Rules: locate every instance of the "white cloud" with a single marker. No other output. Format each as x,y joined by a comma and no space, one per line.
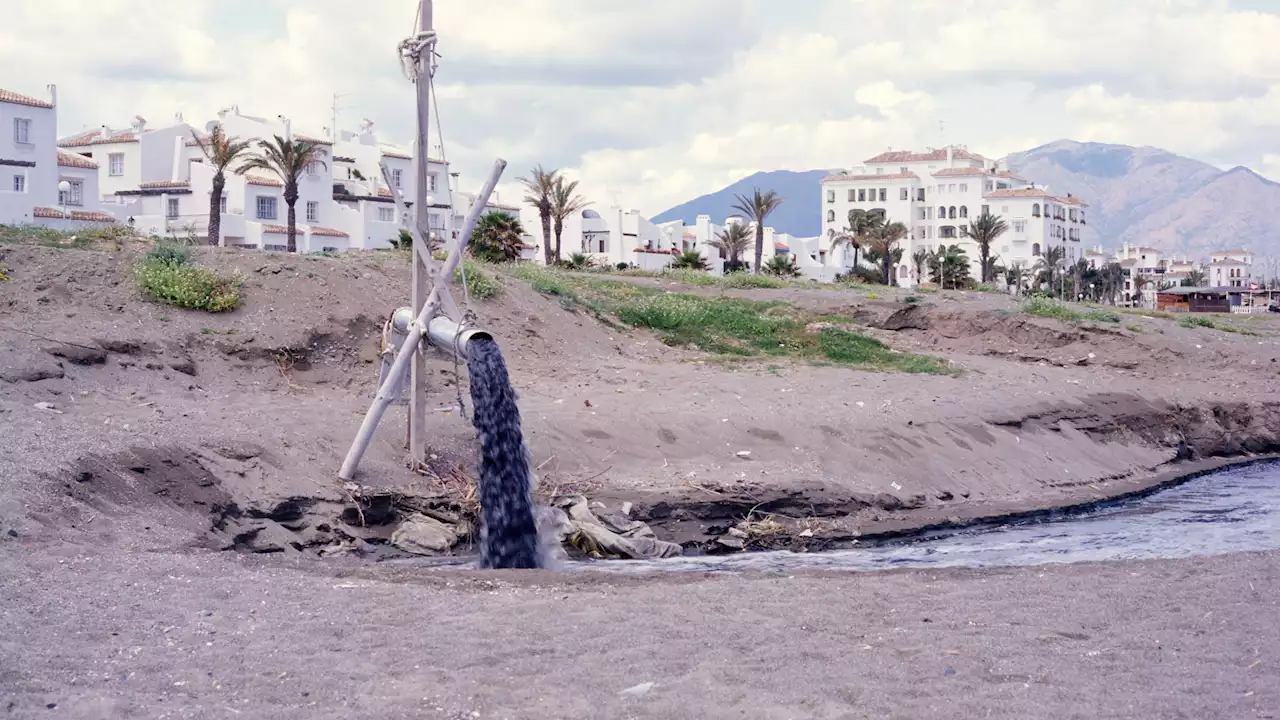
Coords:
662,100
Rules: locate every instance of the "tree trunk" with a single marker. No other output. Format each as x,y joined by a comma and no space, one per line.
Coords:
559,232
887,264
984,259
214,235
759,245
291,199
545,216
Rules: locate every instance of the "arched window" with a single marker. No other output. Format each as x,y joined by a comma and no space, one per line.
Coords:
904,271
952,213
1035,250
1035,210
942,213
831,216
964,211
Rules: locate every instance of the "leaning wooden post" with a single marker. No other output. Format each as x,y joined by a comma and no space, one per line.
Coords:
421,269
410,349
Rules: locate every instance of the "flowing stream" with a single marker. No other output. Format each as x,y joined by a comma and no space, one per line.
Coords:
1234,510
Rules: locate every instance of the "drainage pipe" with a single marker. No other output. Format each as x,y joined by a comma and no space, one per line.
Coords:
449,336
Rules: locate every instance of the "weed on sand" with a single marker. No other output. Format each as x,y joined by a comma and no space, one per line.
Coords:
731,327
1049,308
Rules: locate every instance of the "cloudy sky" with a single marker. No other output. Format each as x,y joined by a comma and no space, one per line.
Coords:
651,103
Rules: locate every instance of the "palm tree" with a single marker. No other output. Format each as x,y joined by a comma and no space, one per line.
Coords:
949,266
221,153
984,230
733,241
287,160
918,260
1139,283
689,260
863,225
782,266
540,188
758,207
563,204
1049,267
1196,278
1111,279
498,237
885,241
1013,276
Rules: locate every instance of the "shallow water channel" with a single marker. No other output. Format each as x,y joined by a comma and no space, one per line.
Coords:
1234,510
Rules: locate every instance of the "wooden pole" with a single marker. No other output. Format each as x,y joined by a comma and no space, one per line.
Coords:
410,350
422,216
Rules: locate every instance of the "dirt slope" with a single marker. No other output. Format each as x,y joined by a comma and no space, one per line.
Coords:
181,415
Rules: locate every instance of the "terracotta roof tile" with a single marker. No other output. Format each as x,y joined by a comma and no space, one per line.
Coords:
781,247
328,232
1010,176
162,184
76,161
898,156
275,229
263,181
1229,252
310,139
500,206
96,137
12,97
1072,201
84,215
397,155
863,178
1020,193
955,172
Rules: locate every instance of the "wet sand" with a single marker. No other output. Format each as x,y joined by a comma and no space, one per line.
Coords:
203,635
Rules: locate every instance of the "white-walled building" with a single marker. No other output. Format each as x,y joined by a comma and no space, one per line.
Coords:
1231,268
937,193
32,169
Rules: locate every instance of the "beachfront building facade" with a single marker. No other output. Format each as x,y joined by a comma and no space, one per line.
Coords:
936,194
39,184
1231,268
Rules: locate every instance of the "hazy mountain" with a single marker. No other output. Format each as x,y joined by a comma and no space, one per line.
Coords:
1139,195
800,213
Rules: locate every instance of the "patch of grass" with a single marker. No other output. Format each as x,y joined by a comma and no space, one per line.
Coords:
1050,308
170,253
1134,328
872,296
543,279
989,289
187,286
1199,321
910,299
481,285
746,281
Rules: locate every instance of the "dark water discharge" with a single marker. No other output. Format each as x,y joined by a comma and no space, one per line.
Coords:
509,536
1235,510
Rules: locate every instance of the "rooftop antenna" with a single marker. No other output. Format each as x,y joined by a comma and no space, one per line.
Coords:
942,131
333,129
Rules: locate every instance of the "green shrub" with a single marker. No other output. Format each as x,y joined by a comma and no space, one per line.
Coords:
187,286
1041,306
480,284
745,281
1192,321
169,253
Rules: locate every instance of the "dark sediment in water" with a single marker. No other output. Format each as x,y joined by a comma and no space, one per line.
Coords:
509,536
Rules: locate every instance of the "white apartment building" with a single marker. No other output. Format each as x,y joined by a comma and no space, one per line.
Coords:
936,193
1231,268
32,168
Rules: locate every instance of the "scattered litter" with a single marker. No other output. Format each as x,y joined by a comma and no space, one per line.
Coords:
147,404
806,534
49,407
587,403
626,508
744,454
949,671
1255,664
860,404
895,486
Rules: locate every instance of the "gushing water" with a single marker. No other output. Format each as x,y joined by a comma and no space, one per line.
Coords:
509,536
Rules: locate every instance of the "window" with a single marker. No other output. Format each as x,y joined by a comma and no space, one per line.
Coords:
964,211
397,177
73,196
947,231
276,248
852,194
1019,226
951,188
903,170
222,204
386,214
951,213
171,211
1004,210
905,194
831,196
1035,249
266,208
924,213
19,183
1035,211
431,182
990,186
329,249
964,187
884,194
22,130
313,211
879,171
314,167
986,209
831,216
862,196
942,213
920,195
115,164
